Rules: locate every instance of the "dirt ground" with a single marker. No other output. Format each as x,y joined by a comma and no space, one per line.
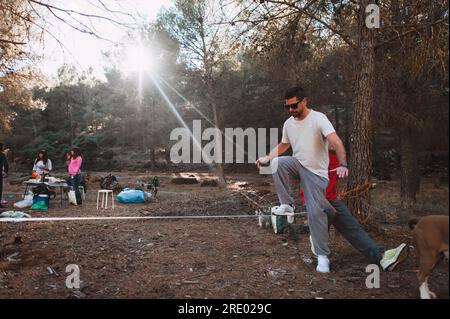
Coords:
200,258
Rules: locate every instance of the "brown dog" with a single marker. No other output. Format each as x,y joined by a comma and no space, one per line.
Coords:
431,238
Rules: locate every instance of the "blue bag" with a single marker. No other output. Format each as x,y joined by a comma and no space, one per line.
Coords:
131,196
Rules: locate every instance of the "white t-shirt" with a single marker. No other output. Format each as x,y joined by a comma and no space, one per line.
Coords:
308,141
37,167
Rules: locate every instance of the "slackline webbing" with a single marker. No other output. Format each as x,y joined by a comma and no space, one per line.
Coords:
106,218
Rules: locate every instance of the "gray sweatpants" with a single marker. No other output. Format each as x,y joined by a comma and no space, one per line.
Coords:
319,209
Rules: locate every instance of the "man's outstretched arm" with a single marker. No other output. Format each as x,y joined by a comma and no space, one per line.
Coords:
280,149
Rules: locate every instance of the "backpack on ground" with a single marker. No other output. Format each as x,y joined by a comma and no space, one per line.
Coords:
110,182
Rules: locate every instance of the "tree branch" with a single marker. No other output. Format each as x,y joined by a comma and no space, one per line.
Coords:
12,42
86,15
344,37
401,35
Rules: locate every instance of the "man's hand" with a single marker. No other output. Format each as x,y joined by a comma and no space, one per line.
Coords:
342,171
263,161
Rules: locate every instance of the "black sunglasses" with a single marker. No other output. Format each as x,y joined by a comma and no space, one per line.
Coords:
293,106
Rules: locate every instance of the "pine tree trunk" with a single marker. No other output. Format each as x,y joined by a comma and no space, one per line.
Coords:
336,118
167,155
152,158
410,181
220,173
33,124
347,129
361,133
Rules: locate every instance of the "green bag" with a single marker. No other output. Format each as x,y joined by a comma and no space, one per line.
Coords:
280,223
41,205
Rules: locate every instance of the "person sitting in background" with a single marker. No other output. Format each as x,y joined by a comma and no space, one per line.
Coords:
3,167
347,225
74,162
42,164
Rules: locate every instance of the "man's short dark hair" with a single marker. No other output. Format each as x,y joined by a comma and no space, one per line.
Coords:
296,91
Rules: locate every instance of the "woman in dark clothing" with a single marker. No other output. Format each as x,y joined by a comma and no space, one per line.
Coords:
74,162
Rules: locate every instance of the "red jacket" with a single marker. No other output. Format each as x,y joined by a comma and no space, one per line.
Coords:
331,191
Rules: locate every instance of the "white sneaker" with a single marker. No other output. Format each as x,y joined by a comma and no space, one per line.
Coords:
323,265
393,257
283,210
313,250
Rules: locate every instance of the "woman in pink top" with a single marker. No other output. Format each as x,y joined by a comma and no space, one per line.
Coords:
74,162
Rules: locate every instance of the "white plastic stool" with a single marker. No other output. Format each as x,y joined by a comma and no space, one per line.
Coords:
105,193
83,193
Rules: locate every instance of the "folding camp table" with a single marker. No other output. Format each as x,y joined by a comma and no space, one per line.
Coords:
59,185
